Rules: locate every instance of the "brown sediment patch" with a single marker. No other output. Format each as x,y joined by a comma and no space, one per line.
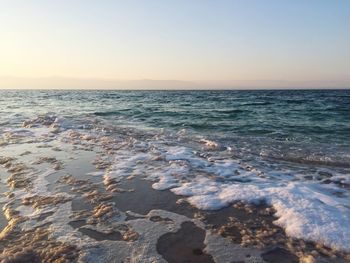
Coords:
75,135
57,165
13,219
46,120
80,141
36,245
18,177
88,190
109,144
87,137
41,201
232,232
112,185
103,212
4,160
33,245
17,168
11,137
100,213
186,245
45,160
130,235
18,180
9,194
71,180
101,164
7,164
247,225
97,209
84,147
96,196
80,215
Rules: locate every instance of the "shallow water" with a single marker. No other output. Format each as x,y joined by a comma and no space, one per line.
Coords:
298,126
287,149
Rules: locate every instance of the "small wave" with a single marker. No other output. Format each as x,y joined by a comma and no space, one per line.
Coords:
231,111
257,103
110,113
315,160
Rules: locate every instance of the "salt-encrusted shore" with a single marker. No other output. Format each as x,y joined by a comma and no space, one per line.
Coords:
75,195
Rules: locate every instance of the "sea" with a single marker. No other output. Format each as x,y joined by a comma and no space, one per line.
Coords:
289,149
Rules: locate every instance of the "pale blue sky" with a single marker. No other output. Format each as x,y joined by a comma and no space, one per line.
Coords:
223,41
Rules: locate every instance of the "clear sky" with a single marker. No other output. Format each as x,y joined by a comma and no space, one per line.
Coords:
216,42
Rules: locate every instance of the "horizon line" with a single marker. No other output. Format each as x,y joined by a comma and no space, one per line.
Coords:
59,82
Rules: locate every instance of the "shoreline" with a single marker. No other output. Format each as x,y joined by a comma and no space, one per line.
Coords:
114,209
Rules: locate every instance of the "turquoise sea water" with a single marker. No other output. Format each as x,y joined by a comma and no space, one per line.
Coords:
306,126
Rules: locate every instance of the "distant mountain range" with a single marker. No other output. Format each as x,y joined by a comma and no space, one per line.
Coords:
94,83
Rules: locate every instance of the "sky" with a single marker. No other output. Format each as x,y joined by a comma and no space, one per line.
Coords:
174,43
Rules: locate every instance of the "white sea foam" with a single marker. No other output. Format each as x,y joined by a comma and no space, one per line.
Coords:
305,209
301,208
124,165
